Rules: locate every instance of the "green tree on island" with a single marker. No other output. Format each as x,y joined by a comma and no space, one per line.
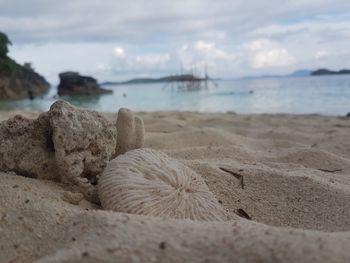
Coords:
7,65
4,42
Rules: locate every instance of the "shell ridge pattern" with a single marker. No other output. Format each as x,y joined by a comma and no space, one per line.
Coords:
148,182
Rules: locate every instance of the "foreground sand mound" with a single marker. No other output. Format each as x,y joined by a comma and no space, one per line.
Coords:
38,225
292,175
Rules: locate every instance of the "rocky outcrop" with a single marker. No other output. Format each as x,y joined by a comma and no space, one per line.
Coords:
323,71
84,142
26,147
65,144
72,84
21,82
17,81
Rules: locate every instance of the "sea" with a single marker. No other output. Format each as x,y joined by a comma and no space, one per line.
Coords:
325,95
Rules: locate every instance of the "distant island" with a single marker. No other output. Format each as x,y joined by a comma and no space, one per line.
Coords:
173,78
301,73
322,72
192,78
18,81
73,84
298,73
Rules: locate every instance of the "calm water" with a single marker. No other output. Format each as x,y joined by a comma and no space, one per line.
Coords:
323,95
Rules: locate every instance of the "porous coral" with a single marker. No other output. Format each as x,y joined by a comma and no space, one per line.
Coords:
26,147
65,144
84,142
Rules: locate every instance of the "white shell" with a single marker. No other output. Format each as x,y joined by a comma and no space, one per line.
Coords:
148,182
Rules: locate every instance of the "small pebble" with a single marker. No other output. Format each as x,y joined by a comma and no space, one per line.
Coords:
162,245
73,198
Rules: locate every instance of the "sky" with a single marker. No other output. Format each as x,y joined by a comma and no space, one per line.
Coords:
118,40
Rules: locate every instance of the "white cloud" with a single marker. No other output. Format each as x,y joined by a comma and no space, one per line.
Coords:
260,44
201,54
203,46
103,68
136,37
269,54
119,52
273,58
313,42
322,54
151,61
115,20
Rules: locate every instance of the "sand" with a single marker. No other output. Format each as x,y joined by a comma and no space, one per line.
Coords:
290,174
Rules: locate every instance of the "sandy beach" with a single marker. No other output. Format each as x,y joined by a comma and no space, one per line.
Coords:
288,176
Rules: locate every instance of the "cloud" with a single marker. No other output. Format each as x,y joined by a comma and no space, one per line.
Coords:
113,20
259,44
201,54
119,52
269,54
115,39
203,46
314,42
273,58
130,65
150,61
195,56
322,54
103,68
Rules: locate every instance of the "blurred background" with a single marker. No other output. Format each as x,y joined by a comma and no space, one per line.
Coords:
212,56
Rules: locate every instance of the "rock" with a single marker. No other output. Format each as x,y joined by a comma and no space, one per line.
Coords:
72,198
148,182
26,147
348,115
84,143
323,71
65,144
72,84
131,131
23,82
17,81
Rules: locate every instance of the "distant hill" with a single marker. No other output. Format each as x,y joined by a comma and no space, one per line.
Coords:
190,77
184,77
322,72
18,81
298,73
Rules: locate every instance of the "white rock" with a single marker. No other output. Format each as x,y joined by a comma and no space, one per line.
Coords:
131,131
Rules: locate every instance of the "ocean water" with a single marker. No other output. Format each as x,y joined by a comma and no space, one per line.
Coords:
326,95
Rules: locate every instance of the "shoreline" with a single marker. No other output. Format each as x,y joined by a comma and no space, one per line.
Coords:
294,96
